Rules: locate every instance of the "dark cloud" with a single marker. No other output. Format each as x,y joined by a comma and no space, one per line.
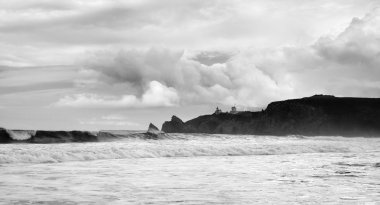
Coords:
212,57
136,67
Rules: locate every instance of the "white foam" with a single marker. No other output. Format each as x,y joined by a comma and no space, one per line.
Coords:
21,134
179,146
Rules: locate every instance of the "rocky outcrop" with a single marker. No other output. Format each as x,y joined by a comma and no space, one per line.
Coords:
153,129
153,132
316,115
174,125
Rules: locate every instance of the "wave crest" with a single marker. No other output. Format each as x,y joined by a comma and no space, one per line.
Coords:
176,147
20,135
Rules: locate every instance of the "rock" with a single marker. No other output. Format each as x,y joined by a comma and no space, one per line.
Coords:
4,136
153,132
310,116
174,125
153,129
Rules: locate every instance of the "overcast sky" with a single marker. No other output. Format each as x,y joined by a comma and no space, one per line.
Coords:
100,64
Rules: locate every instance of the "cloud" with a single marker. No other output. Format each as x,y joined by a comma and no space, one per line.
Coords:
42,32
134,66
157,95
36,79
211,58
232,80
109,120
191,24
347,64
193,54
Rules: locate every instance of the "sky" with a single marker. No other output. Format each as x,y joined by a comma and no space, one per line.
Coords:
121,64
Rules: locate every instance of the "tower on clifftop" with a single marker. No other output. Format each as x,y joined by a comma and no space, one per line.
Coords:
233,110
217,111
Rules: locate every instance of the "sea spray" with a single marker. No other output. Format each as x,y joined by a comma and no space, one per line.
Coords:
181,145
20,135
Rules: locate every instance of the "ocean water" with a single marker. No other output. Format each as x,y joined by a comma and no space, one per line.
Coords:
194,169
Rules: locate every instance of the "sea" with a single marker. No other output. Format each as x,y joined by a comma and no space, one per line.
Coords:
194,169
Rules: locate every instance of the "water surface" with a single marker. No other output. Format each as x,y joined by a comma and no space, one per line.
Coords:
194,169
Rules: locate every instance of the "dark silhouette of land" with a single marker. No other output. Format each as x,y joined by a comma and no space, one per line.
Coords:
311,116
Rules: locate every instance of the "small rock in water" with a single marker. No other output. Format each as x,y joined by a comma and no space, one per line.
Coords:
153,132
152,128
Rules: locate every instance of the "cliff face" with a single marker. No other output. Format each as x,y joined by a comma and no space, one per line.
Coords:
175,125
316,115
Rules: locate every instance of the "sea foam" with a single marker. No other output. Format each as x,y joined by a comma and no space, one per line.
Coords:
180,146
19,135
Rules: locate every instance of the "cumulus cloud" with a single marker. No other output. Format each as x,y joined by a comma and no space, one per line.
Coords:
157,95
347,64
230,80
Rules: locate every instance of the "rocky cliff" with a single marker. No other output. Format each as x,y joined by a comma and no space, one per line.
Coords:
316,115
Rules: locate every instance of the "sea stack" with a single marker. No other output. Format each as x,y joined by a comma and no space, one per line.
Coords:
153,132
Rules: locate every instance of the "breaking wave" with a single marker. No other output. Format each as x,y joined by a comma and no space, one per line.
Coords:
20,135
41,136
181,145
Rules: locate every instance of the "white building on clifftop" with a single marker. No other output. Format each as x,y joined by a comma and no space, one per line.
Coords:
233,110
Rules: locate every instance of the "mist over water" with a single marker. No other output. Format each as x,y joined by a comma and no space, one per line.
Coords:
194,169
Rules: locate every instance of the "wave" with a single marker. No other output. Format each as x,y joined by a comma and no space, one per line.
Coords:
178,146
41,136
45,137
21,135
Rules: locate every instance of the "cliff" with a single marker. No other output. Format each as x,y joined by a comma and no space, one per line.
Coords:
316,115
